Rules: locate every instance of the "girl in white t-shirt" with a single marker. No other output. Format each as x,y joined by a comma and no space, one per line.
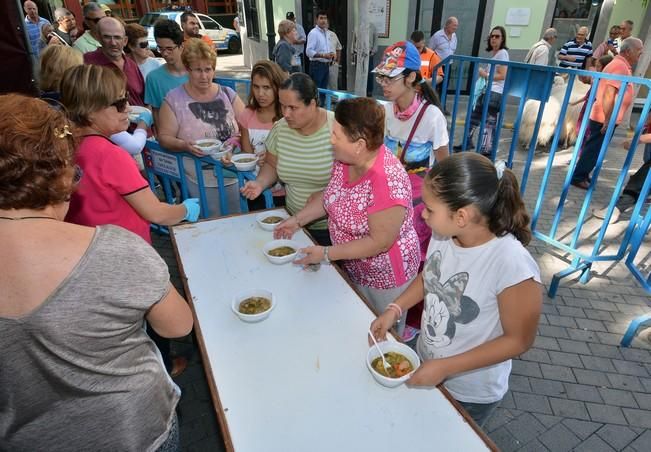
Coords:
481,286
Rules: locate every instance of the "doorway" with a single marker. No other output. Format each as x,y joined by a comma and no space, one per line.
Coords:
431,16
338,23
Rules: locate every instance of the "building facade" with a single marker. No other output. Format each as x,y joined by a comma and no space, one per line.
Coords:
396,19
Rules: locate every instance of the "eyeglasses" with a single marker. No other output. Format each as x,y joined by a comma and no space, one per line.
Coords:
496,36
121,104
386,81
162,50
93,19
143,44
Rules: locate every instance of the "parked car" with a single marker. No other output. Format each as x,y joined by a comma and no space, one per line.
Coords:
223,38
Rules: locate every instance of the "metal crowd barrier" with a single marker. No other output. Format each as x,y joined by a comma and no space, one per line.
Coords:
243,86
169,168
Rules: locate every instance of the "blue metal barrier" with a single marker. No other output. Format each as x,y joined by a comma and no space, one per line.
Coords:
169,168
330,97
524,83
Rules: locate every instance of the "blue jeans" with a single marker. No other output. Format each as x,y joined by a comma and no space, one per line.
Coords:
320,72
589,152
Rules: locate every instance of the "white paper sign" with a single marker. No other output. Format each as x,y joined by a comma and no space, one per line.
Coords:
379,14
165,164
518,16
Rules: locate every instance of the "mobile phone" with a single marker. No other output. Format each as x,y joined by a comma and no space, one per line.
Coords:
611,42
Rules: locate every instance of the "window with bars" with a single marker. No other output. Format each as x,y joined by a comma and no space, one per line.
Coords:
252,20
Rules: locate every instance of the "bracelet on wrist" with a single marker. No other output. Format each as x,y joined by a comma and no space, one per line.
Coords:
396,308
326,258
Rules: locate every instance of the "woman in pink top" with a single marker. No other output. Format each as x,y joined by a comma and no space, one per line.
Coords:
259,116
112,191
369,208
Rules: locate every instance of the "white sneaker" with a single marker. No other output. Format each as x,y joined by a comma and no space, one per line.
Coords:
601,214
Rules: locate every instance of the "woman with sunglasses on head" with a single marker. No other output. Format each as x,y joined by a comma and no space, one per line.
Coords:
78,370
199,109
496,46
112,190
137,49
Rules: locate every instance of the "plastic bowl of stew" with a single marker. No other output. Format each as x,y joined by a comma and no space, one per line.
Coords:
392,347
281,251
269,220
253,305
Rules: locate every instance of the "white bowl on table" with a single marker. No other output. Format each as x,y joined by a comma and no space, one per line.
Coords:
396,347
245,161
269,226
134,112
278,260
252,318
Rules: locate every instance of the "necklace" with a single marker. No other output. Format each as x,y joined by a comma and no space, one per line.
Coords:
27,218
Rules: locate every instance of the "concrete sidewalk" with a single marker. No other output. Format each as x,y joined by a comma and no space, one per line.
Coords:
575,389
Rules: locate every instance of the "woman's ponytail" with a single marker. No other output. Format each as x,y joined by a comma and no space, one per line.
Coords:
424,89
509,213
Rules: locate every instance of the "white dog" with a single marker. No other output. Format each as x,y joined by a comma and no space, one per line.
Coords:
550,119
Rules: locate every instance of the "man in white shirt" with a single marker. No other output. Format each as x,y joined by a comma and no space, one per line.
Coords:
444,42
318,51
540,51
335,46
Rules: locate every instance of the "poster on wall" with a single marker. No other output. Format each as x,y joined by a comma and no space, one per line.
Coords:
379,12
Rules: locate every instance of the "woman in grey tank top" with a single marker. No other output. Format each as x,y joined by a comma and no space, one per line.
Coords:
77,370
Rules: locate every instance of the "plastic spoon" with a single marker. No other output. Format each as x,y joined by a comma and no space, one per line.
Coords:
387,366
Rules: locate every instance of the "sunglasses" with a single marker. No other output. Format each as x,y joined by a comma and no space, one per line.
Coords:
121,104
93,20
496,36
143,44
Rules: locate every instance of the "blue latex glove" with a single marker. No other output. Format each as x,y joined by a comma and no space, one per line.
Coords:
147,117
191,209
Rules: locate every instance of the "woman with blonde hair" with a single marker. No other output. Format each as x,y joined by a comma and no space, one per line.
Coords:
284,53
113,191
78,370
199,109
54,61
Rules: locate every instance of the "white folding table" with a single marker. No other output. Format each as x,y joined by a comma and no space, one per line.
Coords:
298,380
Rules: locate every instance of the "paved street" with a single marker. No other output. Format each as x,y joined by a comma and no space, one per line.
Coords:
576,389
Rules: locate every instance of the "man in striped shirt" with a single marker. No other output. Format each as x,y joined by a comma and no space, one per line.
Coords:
577,52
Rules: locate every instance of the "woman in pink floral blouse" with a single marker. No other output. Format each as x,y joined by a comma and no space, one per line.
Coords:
369,208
